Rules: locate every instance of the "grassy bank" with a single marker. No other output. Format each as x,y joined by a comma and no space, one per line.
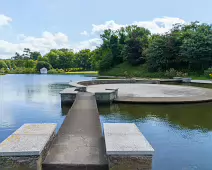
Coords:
52,71
126,70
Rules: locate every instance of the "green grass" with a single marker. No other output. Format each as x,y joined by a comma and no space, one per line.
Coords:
126,70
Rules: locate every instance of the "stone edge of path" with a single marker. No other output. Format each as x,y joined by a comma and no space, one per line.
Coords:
21,157
148,100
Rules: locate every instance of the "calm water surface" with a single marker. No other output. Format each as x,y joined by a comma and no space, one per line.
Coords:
180,134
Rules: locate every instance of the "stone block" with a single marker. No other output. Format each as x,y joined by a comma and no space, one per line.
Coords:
126,147
27,147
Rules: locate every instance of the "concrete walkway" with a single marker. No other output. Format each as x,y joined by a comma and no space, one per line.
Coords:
156,93
79,143
202,81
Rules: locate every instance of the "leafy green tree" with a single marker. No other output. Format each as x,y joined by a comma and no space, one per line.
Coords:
3,65
135,45
53,58
83,59
30,64
34,55
43,64
196,48
17,56
40,58
106,60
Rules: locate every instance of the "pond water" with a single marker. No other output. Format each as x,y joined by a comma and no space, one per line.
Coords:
180,134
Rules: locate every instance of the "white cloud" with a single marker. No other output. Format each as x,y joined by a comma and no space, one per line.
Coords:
85,33
89,44
107,25
4,20
157,25
43,44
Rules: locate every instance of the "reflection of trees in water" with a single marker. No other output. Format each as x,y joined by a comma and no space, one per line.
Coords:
65,109
30,91
55,89
193,116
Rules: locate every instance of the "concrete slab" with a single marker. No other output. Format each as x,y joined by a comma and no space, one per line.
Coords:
202,81
79,143
125,139
36,129
29,140
156,93
69,90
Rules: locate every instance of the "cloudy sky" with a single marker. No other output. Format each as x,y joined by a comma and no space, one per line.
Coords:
45,24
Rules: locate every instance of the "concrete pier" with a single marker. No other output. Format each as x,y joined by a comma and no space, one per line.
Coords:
26,148
79,144
127,148
105,95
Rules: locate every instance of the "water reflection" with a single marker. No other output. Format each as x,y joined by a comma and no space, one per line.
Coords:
192,116
31,99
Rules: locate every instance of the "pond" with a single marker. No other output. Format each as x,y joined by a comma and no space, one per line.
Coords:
180,134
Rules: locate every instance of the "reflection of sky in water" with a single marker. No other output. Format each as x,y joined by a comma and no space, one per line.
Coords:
180,134
31,99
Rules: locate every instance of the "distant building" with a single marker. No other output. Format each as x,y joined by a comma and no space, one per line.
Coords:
43,70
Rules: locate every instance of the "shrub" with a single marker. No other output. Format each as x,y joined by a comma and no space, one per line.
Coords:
19,70
174,73
208,72
2,64
56,71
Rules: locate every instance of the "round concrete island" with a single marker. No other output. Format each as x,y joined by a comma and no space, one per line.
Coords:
155,93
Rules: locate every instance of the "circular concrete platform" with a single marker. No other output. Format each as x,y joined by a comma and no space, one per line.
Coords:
156,93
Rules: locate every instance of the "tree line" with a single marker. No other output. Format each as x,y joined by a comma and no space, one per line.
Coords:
186,48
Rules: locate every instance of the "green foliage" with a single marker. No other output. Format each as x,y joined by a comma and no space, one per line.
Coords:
29,64
83,59
73,69
135,45
208,72
19,70
174,73
106,61
43,64
56,71
2,64
127,70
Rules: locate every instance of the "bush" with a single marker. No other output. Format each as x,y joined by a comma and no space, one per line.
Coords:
2,64
174,73
73,69
19,70
208,72
56,71
43,64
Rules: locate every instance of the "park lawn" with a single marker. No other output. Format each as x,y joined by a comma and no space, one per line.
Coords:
126,70
82,72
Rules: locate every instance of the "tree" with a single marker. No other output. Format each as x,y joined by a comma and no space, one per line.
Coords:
34,55
83,59
26,54
29,64
53,58
43,64
196,48
17,57
3,65
135,44
106,60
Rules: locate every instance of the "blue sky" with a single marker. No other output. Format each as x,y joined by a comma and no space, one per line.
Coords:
45,24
